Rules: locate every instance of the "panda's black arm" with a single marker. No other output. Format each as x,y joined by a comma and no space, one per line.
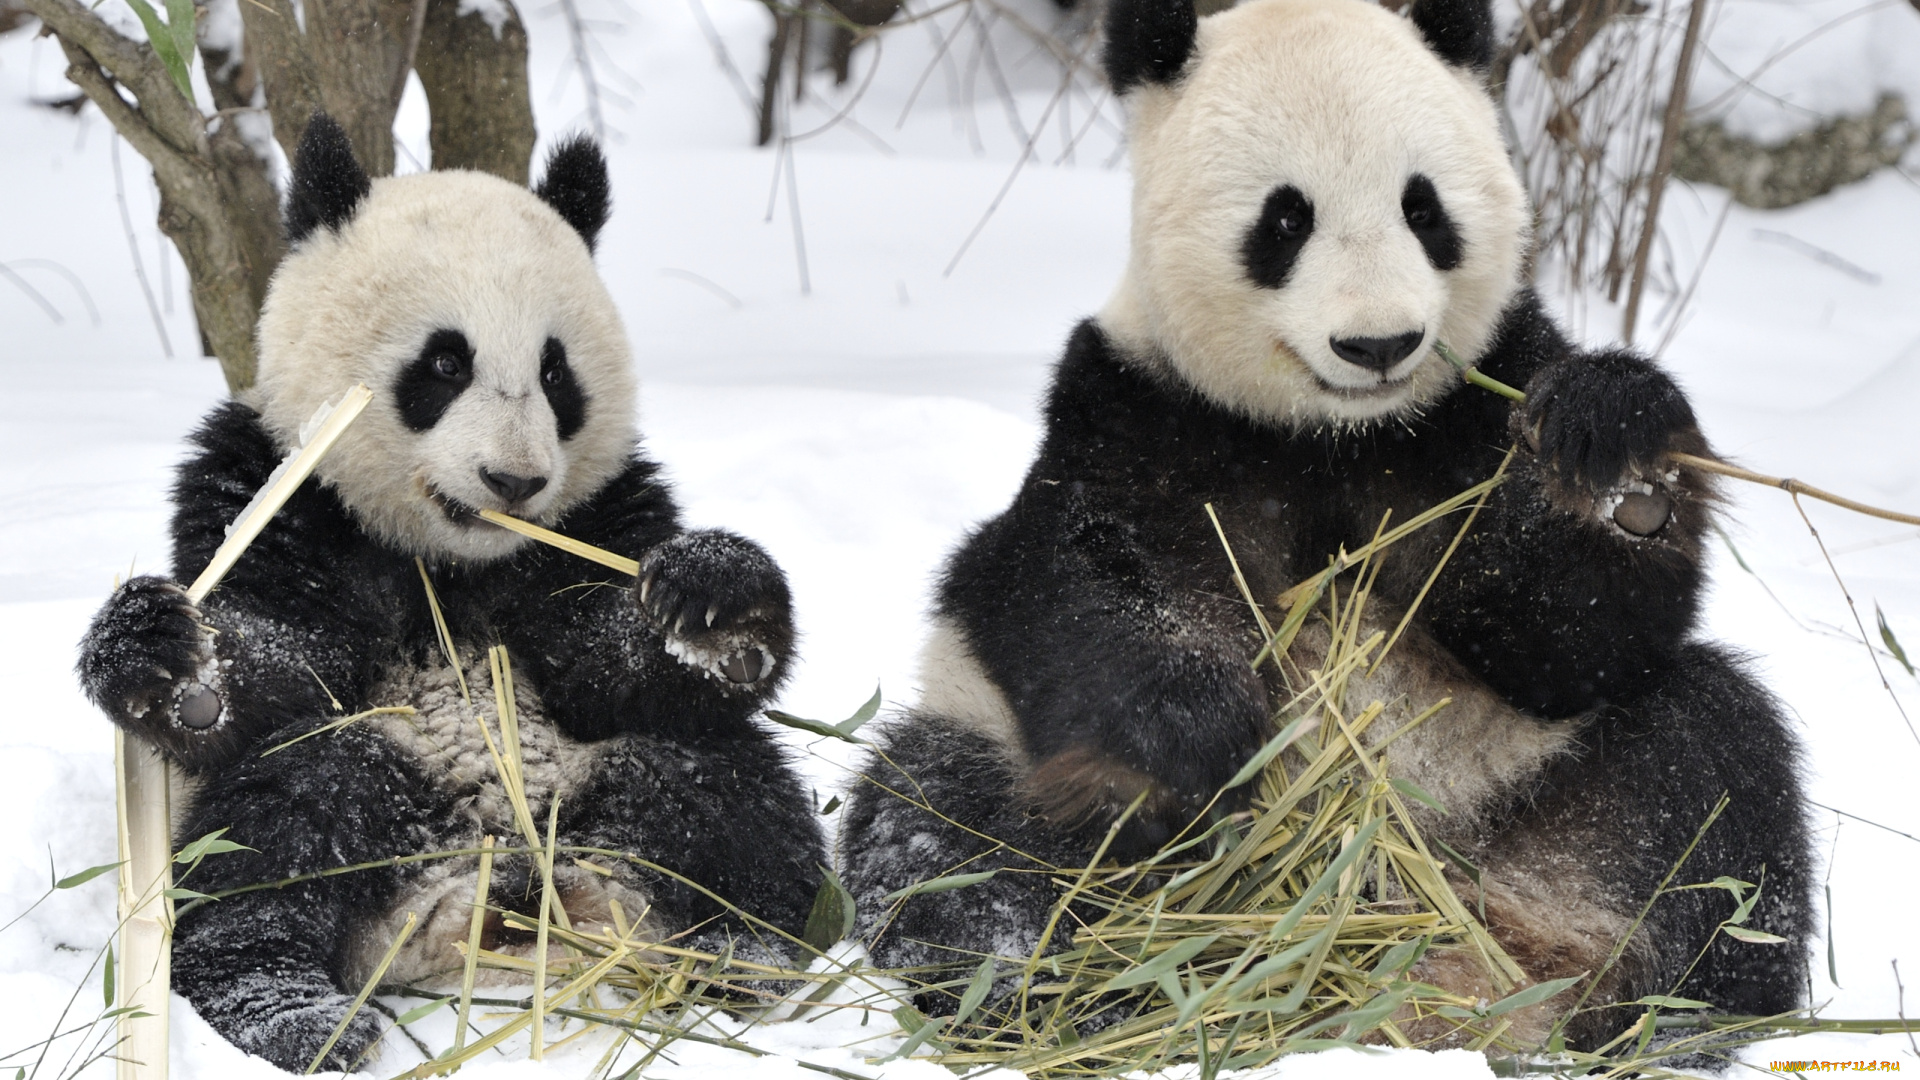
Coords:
1552,600
1123,674
296,626
609,662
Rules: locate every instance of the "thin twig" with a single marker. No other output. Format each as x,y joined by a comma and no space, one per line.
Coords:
1901,1008
33,294
1663,162
583,63
1865,821
1794,487
133,245
1020,163
1851,607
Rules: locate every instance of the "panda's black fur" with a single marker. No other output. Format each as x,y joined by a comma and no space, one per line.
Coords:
663,759
1108,649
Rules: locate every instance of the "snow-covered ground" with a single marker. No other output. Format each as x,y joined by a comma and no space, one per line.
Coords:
858,428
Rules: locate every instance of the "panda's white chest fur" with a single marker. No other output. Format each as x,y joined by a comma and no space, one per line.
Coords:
444,735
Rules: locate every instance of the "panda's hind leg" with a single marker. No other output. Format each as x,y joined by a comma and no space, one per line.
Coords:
1608,824
939,797
265,968
728,816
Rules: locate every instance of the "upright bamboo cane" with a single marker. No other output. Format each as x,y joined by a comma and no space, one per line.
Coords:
146,834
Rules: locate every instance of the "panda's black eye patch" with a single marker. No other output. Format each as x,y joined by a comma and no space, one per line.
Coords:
563,392
1274,241
432,380
1420,205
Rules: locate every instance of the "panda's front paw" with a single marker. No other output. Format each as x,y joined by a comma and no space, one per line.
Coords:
148,661
1600,426
722,605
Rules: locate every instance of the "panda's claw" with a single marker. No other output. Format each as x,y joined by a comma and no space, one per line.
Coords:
721,605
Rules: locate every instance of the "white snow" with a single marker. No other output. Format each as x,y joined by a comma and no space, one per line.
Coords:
859,429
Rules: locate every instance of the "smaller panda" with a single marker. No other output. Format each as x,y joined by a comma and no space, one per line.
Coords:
502,380
1321,193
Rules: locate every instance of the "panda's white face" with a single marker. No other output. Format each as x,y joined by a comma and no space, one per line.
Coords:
1316,201
500,371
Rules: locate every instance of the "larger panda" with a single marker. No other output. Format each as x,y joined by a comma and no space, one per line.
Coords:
1321,194
503,381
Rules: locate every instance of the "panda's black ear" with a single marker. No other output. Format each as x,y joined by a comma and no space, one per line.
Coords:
1148,41
328,182
576,186
1461,31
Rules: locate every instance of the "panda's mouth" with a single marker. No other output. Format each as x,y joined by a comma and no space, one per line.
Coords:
1385,388
457,512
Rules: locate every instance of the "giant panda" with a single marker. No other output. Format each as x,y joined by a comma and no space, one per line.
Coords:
502,380
1321,192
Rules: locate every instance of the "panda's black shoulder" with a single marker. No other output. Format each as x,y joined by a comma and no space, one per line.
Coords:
1105,409
232,458
636,506
1526,339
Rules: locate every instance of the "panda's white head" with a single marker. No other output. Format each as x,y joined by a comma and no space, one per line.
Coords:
471,307
1320,192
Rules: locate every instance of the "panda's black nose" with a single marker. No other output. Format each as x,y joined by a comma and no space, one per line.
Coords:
510,487
1377,353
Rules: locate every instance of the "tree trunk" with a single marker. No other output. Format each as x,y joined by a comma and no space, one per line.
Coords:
216,202
348,59
476,82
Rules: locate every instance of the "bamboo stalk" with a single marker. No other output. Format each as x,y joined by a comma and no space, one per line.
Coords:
146,873
146,833
280,487
474,928
1487,382
366,991
606,558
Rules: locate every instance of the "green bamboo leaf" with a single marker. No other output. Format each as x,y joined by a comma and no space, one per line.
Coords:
832,805
1162,964
420,1012
976,991
1258,763
1833,967
1268,968
1327,879
74,881
210,844
180,26
165,45
1401,957
178,893
832,917
861,715
919,1030
939,884
1755,937
1532,995
811,726
1893,643
1361,1020
106,978
1666,1002
1417,793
